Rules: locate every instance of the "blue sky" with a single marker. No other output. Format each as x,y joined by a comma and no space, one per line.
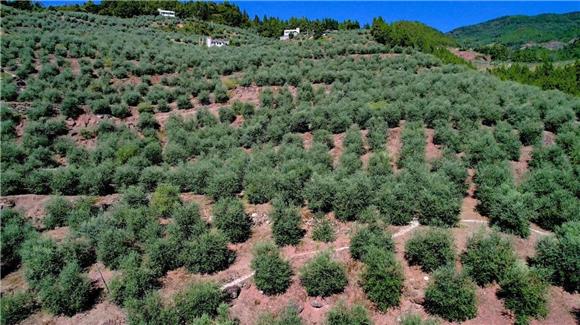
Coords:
443,15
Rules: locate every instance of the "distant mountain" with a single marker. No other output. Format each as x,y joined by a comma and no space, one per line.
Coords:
515,31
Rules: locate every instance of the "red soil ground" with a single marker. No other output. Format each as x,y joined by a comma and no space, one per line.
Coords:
336,152
432,151
394,144
520,167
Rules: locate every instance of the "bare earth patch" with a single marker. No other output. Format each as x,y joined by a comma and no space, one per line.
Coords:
394,144
432,151
520,167
336,152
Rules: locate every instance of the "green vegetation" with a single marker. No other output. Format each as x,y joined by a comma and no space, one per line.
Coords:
289,316
417,35
525,292
68,294
451,295
382,278
272,272
430,249
558,256
322,276
286,222
368,237
323,231
344,315
546,76
230,218
208,254
487,258
515,31
124,123
16,307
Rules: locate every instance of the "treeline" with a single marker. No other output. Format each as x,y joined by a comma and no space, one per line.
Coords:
222,13
546,76
273,27
417,35
534,54
217,12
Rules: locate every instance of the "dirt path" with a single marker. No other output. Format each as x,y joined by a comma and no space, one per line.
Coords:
336,152
520,167
432,151
395,144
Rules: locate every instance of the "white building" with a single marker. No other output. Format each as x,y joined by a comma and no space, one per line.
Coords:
288,32
217,42
166,13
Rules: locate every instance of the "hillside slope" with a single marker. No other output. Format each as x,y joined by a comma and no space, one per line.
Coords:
516,31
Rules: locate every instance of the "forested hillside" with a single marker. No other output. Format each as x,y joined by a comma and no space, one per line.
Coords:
355,176
515,31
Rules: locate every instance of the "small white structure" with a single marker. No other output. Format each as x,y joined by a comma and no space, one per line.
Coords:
166,13
288,32
217,42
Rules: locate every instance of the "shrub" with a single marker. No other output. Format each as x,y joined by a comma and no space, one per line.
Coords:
414,319
42,260
230,218
323,231
451,295
286,222
163,107
147,121
368,237
164,199
322,276
352,196
68,294
187,223
530,132
134,283
120,110
430,249
557,117
112,246
100,106
508,140
438,203
57,212
353,141
379,165
319,192
559,256
202,298
70,107
208,254
487,257
183,102
204,97
511,211
382,278
14,231
272,273
224,183
227,115
150,310
525,293
259,185
289,316
342,315
132,98
221,95
16,307
161,255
